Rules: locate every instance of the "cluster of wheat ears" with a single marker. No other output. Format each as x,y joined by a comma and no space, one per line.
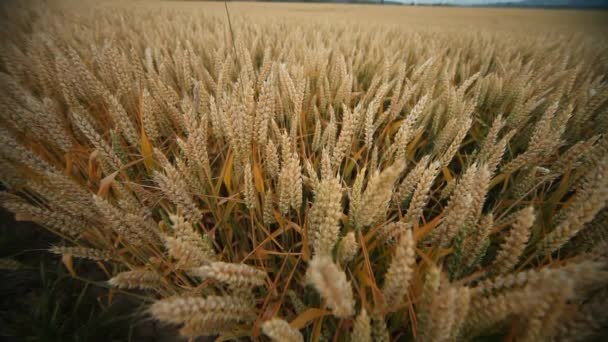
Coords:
313,179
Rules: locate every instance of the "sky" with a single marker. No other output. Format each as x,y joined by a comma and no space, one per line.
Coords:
477,2
465,2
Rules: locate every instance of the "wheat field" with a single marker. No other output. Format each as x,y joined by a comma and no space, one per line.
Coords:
317,172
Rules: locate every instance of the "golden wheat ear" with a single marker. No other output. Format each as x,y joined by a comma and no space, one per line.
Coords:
332,285
279,330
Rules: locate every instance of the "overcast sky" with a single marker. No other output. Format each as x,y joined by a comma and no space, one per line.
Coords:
470,2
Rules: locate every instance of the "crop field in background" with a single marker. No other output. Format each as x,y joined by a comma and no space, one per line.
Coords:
317,172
